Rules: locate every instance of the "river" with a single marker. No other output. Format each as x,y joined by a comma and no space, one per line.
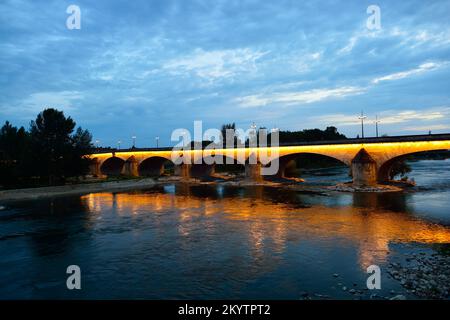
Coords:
179,241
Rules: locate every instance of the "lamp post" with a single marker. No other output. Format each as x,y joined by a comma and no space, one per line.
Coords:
118,144
157,141
96,143
184,134
376,124
253,140
134,141
362,117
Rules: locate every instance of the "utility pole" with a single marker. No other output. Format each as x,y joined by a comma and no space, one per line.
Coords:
376,124
362,117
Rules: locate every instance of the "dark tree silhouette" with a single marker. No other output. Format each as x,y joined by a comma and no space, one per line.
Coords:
50,152
57,151
399,168
13,146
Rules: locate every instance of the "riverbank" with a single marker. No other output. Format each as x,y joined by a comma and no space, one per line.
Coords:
76,189
424,273
136,184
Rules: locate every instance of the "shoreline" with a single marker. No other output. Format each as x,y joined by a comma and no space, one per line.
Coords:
76,189
137,184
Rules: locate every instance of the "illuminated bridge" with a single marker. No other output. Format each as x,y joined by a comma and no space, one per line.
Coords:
370,159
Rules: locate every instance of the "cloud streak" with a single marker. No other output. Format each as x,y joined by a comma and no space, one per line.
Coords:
216,64
423,68
297,98
388,117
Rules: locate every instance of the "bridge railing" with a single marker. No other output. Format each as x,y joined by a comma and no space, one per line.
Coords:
405,138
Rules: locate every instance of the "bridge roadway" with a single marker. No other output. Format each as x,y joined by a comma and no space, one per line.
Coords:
370,159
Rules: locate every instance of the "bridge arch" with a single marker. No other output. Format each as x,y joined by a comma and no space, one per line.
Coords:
288,162
153,166
385,168
112,166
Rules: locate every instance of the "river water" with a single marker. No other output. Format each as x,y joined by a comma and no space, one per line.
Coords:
180,241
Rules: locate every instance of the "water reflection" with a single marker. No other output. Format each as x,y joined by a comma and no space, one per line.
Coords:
216,241
268,219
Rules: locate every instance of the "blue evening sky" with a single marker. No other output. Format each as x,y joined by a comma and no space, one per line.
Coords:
144,68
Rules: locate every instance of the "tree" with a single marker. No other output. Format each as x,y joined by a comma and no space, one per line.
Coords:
308,135
400,168
57,153
231,139
13,146
77,164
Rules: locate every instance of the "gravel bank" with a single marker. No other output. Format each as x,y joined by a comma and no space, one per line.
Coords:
45,192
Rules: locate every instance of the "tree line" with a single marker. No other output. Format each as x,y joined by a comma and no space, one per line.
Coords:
48,153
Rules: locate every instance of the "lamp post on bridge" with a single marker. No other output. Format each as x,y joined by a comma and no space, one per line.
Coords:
376,124
118,144
134,141
157,141
362,117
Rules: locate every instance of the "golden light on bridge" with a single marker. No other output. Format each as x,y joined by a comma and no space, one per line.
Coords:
378,158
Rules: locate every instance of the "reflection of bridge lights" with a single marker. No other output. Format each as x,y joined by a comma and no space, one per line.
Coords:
270,227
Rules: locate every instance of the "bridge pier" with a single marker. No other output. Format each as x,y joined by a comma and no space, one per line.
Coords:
364,169
130,168
253,172
188,171
94,168
183,170
202,170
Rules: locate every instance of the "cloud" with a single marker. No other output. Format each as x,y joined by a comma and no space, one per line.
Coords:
349,47
427,128
217,64
36,102
387,117
151,62
425,67
300,97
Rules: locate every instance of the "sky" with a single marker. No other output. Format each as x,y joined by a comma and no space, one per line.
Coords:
145,68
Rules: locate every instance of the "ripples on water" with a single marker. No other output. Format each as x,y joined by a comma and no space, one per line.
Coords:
180,241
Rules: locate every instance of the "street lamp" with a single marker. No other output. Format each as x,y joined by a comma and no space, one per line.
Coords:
157,141
96,143
118,144
184,134
362,117
134,141
376,124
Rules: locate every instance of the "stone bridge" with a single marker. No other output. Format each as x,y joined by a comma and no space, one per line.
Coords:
370,159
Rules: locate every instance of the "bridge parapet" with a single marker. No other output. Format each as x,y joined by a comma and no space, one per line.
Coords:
381,151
